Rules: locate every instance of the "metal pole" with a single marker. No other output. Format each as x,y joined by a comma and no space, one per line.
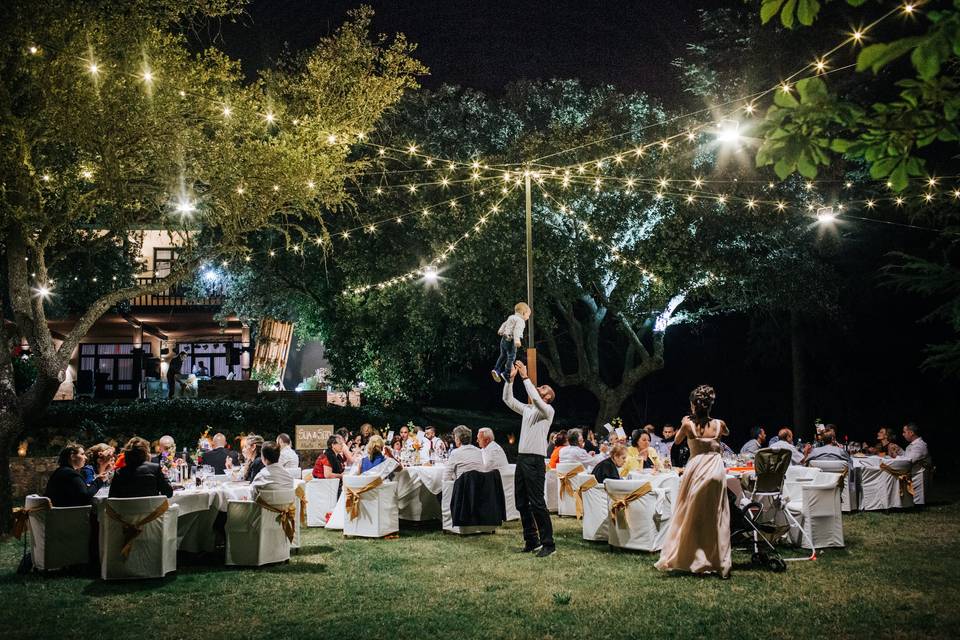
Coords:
532,345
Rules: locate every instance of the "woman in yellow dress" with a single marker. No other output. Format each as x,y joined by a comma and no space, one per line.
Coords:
641,455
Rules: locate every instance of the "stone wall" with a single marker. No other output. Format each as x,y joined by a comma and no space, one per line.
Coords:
30,474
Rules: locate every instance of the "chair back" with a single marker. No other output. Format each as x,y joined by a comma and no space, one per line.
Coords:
59,536
833,466
771,468
478,500
138,538
322,496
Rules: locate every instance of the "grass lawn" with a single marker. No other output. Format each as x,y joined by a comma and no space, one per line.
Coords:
897,578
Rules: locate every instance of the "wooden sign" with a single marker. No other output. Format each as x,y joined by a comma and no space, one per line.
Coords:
312,437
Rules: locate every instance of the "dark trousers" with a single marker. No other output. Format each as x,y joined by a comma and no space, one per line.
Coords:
508,355
528,492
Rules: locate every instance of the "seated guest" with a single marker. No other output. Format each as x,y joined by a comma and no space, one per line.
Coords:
289,459
757,437
273,475
66,487
218,456
886,444
785,441
666,442
916,451
590,441
574,451
559,442
252,460
397,445
99,463
465,457
493,454
829,449
609,469
139,478
641,455
652,432
167,447
329,464
374,455
366,432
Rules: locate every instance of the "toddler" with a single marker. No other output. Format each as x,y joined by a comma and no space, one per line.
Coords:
510,332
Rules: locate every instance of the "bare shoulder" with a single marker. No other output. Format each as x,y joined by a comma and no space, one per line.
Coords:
722,428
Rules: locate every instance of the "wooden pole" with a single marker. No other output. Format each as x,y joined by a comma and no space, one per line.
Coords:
532,345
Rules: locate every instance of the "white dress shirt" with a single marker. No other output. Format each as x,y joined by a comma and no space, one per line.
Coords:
289,460
461,460
795,456
916,451
494,457
578,454
830,452
537,418
750,447
272,478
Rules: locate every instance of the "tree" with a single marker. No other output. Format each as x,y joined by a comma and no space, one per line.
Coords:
110,121
615,266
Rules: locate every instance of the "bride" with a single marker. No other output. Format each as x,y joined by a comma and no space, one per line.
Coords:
699,537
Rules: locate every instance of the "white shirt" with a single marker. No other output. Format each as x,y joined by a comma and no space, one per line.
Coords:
513,327
916,451
272,478
795,456
751,447
578,454
461,460
830,452
289,460
537,418
494,457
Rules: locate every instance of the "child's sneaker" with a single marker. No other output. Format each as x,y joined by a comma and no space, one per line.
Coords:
495,375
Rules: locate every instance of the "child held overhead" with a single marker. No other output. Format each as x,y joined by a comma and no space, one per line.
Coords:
511,333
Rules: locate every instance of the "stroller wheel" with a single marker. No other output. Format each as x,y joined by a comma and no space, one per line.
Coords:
759,558
777,565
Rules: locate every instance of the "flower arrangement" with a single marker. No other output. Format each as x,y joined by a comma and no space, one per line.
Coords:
204,444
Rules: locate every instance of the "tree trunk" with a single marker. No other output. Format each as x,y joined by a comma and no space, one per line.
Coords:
11,425
801,417
611,400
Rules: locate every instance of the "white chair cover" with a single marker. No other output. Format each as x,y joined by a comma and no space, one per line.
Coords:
508,475
321,499
448,516
59,536
567,503
669,481
921,480
881,490
821,516
153,554
849,496
379,514
551,490
254,536
797,472
339,513
640,526
596,515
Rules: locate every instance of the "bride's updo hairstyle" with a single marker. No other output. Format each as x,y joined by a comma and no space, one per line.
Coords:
701,400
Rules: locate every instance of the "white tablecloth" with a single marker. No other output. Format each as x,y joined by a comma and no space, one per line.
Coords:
410,478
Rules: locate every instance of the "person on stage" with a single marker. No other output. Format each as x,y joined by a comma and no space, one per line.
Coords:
531,472
699,537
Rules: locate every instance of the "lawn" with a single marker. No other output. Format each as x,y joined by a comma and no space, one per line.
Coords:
897,578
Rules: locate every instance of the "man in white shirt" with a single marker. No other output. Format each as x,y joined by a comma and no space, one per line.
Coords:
465,457
273,476
916,451
829,450
757,437
574,451
786,442
430,433
494,456
531,472
289,459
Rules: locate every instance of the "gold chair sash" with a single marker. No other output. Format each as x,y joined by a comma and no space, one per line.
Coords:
21,517
353,496
302,495
619,506
590,483
905,478
566,486
132,530
286,516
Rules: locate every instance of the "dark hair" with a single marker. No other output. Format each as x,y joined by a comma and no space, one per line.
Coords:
284,438
701,400
136,452
913,427
560,439
755,432
636,434
344,433
270,452
828,436
66,453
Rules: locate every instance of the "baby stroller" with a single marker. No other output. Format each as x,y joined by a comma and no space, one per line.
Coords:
752,523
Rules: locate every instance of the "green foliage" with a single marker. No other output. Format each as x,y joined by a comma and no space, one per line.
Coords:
24,372
268,375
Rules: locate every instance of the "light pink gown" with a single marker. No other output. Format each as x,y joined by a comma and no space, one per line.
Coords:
699,537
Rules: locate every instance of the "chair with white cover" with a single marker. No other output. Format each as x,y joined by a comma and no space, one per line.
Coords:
567,487
920,476
819,513
596,516
59,536
138,538
321,499
371,509
446,500
551,490
508,475
301,504
800,473
306,475
259,532
635,522
849,498
888,486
